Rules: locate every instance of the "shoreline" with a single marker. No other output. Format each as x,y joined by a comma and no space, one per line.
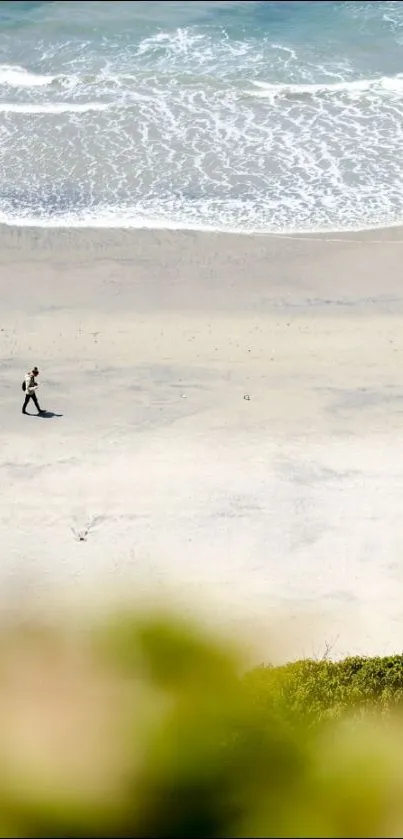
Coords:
388,232
287,504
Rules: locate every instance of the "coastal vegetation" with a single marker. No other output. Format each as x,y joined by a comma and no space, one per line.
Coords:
150,727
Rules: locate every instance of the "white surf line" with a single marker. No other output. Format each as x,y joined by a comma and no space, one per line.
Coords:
318,237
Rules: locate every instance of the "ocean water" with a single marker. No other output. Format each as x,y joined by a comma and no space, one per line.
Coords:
246,116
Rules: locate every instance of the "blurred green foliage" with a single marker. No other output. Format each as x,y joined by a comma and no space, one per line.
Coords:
148,727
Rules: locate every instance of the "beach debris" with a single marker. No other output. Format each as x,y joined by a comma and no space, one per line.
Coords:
247,397
184,396
82,533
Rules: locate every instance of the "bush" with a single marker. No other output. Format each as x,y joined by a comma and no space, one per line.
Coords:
147,728
316,691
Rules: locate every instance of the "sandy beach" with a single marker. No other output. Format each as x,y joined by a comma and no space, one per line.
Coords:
287,501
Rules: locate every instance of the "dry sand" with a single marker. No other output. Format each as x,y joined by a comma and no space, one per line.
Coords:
148,342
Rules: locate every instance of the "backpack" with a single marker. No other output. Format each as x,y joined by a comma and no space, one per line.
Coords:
31,382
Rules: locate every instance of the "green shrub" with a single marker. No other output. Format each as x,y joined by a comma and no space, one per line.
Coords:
146,727
315,691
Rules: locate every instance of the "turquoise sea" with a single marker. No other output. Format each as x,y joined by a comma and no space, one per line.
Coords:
248,116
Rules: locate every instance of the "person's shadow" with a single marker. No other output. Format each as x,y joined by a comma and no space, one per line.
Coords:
48,415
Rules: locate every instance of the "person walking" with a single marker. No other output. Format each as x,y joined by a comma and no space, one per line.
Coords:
30,385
